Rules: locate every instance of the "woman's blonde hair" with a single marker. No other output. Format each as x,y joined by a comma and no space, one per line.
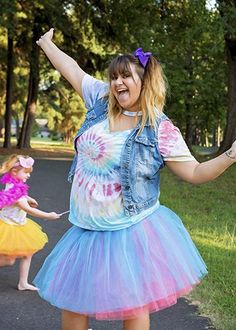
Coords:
153,90
11,162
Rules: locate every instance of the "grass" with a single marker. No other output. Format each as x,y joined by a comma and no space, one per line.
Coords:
209,213
41,147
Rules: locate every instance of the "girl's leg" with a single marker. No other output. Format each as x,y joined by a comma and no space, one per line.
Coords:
140,323
74,321
23,274
7,260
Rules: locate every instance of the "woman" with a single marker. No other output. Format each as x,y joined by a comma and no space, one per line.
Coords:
125,255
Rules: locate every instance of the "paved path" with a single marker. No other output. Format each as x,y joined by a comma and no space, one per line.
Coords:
25,310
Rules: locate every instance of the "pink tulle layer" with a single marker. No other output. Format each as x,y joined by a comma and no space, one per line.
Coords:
152,307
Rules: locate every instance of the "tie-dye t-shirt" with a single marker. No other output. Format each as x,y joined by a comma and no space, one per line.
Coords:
96,199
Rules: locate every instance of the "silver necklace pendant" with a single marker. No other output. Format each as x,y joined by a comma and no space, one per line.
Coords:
132,113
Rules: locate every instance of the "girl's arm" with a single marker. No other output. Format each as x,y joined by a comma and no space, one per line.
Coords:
24,205
32,202
197,173
68,67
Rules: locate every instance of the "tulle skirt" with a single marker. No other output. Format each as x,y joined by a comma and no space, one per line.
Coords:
121,274
21,240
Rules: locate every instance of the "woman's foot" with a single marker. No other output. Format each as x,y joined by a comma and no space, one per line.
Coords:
26,286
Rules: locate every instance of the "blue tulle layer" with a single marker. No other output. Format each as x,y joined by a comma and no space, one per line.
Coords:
120,274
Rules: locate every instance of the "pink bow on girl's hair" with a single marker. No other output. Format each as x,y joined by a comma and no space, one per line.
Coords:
24,162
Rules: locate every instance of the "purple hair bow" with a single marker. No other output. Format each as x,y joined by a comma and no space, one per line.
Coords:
143,57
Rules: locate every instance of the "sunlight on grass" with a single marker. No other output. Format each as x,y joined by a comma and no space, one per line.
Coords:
40,147
227,240
209,213
43,142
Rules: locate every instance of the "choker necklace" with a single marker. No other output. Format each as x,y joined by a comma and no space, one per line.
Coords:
132,113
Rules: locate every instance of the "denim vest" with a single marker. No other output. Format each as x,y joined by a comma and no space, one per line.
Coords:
139,165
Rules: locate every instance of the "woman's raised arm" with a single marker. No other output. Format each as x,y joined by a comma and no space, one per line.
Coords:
65,64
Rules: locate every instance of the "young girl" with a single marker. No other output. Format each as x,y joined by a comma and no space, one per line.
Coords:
125,255
20,237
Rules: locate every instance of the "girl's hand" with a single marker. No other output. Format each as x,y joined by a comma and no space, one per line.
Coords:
53,216
47,35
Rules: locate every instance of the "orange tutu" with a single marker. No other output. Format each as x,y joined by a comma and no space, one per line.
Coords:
21,240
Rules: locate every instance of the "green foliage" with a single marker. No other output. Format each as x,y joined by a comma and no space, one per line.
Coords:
58,103
193,54
185,36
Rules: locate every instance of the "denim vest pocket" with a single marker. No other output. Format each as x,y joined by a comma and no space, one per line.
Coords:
145,140
148,160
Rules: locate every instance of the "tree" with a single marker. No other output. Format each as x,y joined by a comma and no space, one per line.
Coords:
187,42
184,36
7,20
30,110
38,14
228,13
9,91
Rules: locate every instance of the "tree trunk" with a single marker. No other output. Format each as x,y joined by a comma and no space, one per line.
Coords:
9,90
188,103
189,126
230,131
219,135
17,121
227,11
30,110
1,127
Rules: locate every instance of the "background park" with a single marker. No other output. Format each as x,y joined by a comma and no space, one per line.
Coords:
196,43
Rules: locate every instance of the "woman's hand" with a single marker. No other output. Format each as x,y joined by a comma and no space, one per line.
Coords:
231,153
48,35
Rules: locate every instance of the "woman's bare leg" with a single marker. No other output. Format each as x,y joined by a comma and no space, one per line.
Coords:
140,323
7,260
24,273
74,321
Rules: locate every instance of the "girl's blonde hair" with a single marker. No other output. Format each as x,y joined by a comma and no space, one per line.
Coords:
153,90
11,162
